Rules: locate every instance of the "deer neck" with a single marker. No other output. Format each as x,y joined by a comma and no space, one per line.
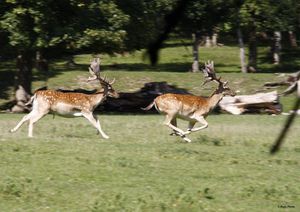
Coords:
214,99
105,91
100,95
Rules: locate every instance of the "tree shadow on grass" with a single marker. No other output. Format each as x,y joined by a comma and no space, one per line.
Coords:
290,61
162,67
178,67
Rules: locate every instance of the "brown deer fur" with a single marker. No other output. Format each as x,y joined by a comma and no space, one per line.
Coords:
69,104
188,107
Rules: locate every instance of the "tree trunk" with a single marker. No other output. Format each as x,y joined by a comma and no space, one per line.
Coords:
71,63
276,47
42,66
196,40
214,39
242,51
293,39
208,41
23,82
252,63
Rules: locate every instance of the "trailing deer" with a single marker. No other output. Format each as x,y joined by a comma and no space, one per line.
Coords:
189,107
70,104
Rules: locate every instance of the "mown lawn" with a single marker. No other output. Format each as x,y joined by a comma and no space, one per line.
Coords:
227,167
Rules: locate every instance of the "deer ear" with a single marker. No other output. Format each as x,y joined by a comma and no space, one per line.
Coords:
113,81
225,83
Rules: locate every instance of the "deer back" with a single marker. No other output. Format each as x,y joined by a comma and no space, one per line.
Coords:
181,104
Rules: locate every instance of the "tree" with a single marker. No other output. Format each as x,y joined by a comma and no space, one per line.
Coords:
284,16
271,17
37,25
146,20
200,20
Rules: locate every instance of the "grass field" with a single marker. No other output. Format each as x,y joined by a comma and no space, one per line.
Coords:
227,167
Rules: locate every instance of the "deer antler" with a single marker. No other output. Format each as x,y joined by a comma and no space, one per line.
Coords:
209,72
94,69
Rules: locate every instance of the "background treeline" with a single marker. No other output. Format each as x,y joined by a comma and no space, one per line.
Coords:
32,30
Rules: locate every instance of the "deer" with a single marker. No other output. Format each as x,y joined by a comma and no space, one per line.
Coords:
191,108
70,104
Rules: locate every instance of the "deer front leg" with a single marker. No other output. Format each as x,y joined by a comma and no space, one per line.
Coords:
190,127
95,122
174,123
201,120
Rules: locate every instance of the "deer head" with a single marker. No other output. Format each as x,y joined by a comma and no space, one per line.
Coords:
94,70
210,75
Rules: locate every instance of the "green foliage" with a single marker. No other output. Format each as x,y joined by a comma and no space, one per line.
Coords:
146,20
142,168
204,16
32,25
271,15
118,25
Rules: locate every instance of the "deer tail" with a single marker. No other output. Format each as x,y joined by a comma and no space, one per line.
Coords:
149,106
31,100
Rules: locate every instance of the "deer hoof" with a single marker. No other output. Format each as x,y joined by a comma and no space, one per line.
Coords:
187,139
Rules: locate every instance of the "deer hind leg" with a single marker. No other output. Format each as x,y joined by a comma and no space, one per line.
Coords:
95,122
24,119
168,122
35,117
174,123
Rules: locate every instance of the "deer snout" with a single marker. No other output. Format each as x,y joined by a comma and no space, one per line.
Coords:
232,93
114,94
229,92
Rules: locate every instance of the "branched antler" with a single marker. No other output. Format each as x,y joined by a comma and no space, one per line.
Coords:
94,70
209,72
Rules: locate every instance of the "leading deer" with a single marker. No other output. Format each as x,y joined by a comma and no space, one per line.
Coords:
189,107
70,104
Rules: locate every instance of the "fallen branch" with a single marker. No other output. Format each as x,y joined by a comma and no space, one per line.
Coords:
260,102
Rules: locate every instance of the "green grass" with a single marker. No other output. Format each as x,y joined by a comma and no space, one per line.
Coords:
67,167
227,167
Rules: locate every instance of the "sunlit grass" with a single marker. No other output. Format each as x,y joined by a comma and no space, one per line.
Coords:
227,167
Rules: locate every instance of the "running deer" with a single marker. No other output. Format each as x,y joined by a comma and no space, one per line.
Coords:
70,104
189,107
